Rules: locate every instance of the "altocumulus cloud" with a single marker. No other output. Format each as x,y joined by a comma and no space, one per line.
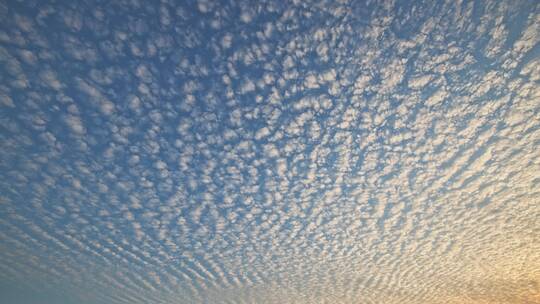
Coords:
270,151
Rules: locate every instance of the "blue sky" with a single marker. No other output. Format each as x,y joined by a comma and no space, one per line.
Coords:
269,152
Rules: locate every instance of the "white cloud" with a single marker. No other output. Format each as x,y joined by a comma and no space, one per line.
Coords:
271,150
436,98
75,124
246,15
261,133
247,87
419,82
226,41
6,100
311,82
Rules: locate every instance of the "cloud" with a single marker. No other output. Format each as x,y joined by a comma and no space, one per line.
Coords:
270,153
75,124
6,100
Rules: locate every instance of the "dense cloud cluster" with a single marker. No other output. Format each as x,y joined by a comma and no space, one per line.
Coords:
271,151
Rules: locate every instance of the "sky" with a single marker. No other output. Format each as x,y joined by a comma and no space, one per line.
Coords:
336,151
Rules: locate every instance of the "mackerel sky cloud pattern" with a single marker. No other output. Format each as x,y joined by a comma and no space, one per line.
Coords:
269,151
